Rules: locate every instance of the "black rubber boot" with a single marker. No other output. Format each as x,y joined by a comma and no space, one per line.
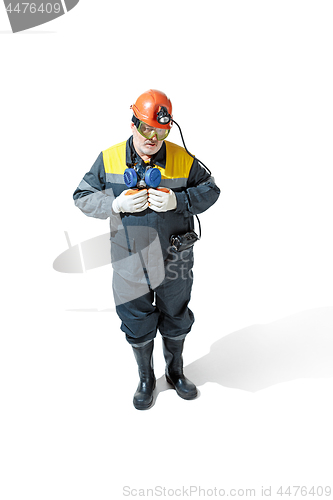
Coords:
173,350
143,398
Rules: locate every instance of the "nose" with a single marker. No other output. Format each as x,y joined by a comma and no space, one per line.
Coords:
154,138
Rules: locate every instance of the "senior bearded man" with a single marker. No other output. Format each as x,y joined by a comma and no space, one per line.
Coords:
150,189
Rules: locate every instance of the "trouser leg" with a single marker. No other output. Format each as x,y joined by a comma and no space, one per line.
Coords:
139,316
176,320
173,297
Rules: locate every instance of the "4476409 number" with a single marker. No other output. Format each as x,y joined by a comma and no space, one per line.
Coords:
32,8
304,491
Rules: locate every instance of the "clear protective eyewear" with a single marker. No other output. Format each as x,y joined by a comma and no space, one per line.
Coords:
148,132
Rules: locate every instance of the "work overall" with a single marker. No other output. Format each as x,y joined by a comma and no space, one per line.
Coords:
151,281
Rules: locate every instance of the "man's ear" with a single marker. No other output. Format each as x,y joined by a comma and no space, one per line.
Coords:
132,125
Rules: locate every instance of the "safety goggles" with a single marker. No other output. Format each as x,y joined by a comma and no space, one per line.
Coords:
148,132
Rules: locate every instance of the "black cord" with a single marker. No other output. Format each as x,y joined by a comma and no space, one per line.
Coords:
187,151
199,226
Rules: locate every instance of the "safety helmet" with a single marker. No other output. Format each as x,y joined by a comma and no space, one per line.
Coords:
152,106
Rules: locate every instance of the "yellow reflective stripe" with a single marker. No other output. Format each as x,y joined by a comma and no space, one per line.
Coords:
178,162
115,159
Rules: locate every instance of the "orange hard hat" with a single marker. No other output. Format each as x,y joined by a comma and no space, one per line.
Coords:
149,104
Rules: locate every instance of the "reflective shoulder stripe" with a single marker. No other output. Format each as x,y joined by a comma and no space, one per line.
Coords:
115,159
85,186
173,183
115,178
178,162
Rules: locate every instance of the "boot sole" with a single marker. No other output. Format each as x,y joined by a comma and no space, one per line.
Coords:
183,396
143,407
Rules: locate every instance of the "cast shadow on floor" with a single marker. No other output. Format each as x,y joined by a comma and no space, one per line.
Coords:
260,356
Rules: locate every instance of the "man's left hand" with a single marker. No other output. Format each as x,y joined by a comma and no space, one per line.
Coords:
160,201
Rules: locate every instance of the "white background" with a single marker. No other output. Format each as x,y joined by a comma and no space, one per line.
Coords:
251,85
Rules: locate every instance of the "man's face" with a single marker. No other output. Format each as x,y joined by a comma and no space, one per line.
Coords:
145,147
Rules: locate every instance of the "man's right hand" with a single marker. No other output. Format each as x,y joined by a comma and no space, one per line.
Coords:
131,203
